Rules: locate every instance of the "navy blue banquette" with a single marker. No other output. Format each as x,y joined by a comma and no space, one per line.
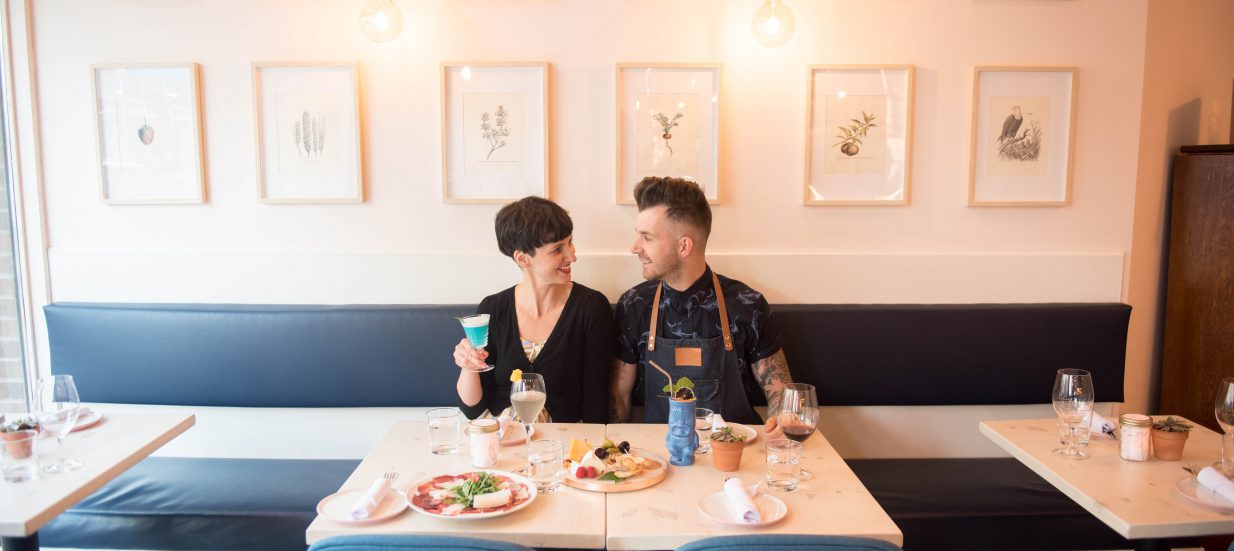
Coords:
274,356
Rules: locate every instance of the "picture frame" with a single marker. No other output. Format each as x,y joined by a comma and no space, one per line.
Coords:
494,131
307,122
668,124
148,129
859,128
1022,137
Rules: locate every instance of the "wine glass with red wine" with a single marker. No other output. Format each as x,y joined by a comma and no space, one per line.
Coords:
798,415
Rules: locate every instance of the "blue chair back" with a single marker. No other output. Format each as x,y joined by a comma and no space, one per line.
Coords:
787,541
412,542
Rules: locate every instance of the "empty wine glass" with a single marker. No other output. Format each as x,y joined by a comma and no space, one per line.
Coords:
798,415
57,404
476,328
1073,402
1223,408
527,397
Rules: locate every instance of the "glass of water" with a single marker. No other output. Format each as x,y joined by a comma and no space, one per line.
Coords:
783,464
444,430
545,458
702,423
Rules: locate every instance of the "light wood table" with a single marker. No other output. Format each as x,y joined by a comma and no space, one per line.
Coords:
568,518
1137,499
117,443
667,515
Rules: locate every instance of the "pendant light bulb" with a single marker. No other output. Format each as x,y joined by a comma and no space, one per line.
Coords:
381,20
773,24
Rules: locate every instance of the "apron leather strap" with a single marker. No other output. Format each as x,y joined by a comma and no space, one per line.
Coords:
655,318
728,336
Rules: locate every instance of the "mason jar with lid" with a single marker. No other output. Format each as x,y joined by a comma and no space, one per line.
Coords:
484,442
1134,441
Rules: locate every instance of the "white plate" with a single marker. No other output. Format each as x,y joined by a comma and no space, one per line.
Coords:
337,507
751,434
1192,491
87,417
531,491
770,508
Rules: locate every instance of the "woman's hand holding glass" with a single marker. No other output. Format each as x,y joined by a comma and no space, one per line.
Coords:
476,328
470,358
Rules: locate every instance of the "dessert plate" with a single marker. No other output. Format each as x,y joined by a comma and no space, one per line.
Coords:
87,417
1191,490
419,492
645,479
770,508
337,507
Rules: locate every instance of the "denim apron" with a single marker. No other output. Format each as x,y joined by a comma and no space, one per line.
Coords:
710,363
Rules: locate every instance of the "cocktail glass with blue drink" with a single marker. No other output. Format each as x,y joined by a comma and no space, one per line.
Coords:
476,328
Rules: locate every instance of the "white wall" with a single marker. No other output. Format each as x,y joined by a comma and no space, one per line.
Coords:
403,245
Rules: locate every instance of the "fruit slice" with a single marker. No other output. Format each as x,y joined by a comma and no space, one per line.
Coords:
578,448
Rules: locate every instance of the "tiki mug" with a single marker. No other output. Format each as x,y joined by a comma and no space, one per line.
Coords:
682,439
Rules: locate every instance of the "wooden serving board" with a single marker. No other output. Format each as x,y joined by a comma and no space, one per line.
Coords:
644,480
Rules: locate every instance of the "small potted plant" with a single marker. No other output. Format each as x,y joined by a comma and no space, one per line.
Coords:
726,448
1169,437
17,435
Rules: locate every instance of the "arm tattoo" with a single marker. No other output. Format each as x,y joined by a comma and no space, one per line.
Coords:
772,374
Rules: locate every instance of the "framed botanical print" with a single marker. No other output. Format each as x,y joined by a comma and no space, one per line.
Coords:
148,125
859,128
308,132
668,124
1023,134
494,131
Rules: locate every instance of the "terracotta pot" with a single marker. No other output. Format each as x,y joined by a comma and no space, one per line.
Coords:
726,456
20,444
1169,445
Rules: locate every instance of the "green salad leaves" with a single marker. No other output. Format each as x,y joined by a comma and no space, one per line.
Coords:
465,493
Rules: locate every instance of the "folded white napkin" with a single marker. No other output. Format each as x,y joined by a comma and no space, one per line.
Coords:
371,498
740,501
504,422
1213,480
717,422
1101,426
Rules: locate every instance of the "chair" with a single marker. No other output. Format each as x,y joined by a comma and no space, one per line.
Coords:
788,541
412,543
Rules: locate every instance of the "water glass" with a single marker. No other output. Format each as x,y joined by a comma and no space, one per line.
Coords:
444,430
702,423
19,455
545,457
783,464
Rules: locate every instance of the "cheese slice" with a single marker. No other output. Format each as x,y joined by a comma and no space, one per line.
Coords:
578,448
590,460
495,499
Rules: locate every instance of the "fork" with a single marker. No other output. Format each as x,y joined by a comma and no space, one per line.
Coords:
390,476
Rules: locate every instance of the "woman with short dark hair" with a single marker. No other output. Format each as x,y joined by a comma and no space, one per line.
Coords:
545,324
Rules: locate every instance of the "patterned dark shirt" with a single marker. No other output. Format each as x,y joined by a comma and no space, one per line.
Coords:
694,314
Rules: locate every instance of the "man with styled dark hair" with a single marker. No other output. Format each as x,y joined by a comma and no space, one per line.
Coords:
689,320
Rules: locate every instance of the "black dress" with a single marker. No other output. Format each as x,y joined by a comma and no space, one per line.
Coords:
574,361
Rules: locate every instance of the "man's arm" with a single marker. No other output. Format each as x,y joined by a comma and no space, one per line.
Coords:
772,374
621,386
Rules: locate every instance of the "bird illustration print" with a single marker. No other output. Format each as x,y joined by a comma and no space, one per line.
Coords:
1011,125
